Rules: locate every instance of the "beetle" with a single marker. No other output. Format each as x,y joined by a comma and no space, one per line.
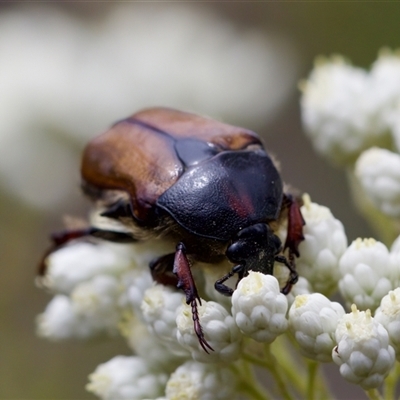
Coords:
209,187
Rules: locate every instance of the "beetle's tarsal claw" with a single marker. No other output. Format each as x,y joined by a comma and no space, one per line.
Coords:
198,329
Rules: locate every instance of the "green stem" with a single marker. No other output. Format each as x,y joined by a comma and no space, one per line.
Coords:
389,389
248,384
373,394
312,373
283,350
270,363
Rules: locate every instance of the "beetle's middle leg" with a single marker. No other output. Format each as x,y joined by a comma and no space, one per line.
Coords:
224,289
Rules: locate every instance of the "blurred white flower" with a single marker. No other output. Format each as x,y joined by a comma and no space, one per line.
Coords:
366,273
346,109
126,378
81,261
160,308
64,76
378,171
259,308
91,309
313,319
363,351
193,380
147,345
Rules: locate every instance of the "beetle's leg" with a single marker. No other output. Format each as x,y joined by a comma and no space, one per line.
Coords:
293,277
186,283
161,270
295,225
61,238
224,289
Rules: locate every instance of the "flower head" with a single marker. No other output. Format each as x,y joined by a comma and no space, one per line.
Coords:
259,308
219,329
324,243
363,351
127,378
194,380
313,319
366,273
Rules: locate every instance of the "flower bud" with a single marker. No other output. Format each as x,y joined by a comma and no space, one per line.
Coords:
338,111
219,328
127,378
363,351
324,244
366,273
313,319
378,171
259,308
194,380
81,261
389,316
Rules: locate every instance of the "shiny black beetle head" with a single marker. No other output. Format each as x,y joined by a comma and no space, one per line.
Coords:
255,249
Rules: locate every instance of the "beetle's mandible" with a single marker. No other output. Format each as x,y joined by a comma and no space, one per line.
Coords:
209,187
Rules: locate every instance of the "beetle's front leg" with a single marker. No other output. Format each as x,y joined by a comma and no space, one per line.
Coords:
224,289
186,283
294,276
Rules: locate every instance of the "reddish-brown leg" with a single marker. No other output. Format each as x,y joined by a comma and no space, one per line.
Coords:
186,283
295,225
59,239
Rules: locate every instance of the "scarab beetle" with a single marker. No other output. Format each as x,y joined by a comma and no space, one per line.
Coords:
209,187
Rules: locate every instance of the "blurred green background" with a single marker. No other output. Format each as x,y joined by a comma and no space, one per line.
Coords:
47,115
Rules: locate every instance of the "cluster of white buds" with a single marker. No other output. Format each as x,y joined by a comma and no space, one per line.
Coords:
346,110
313,320
363,351
352,118
324,243
103,288
367,273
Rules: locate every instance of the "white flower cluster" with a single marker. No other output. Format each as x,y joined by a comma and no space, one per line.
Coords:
353,118
363,351
104,288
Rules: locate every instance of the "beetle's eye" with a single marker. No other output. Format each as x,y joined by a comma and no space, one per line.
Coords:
192,151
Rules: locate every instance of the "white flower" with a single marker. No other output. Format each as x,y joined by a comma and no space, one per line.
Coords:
194,380
324,243
313,319
91,309
331,108
363,351
366,273
346,110
385,78
378,171
58,76
259,308
219,328
160,307
127,378
80,261
59,321
147,345
388,314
